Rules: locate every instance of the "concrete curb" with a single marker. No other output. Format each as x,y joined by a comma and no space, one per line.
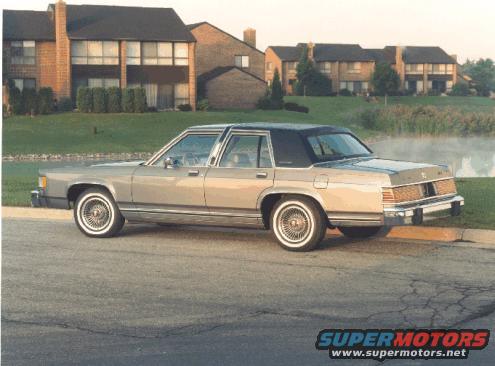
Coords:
444,234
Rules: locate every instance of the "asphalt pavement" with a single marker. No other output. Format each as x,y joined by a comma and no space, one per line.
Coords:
169,295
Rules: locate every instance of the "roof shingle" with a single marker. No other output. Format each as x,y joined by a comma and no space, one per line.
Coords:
27,25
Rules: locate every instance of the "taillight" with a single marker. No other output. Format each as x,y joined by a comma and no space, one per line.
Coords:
388,195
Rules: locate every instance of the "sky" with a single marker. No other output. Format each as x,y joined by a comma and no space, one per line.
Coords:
465,28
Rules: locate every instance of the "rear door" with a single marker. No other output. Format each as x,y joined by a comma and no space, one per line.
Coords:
244,169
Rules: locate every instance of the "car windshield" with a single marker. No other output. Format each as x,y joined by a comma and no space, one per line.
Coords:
335,146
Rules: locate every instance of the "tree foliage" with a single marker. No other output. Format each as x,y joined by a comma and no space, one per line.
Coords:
276,95
483,74
310,81
385,79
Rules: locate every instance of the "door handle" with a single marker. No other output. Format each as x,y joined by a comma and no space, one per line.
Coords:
193,173
261,175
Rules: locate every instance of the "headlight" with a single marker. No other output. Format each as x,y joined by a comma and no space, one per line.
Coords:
42,182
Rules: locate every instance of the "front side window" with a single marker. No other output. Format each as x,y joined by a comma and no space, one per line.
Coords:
192,151
246,151
242,61
23,52
95,52
335,146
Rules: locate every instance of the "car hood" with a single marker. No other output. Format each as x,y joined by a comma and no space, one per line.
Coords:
399,172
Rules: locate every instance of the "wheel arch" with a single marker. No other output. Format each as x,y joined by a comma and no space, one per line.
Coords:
267,201
75,189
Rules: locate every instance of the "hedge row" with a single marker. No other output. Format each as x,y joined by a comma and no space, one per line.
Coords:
30,101
427,120
111,100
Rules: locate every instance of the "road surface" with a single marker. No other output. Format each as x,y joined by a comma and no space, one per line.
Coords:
207,296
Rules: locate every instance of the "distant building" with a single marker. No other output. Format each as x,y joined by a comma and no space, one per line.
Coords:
230,71
68,46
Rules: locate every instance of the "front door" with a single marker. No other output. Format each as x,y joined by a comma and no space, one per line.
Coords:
177,188
165,99
244,171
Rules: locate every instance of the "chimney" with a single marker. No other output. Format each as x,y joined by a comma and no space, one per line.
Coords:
399,65
454,57
311,51
250,37
62,55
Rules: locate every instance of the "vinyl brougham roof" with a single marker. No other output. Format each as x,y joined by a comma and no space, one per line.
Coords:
99,22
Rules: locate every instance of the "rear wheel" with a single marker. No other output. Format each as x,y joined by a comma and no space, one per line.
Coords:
96,214
298,224
360,231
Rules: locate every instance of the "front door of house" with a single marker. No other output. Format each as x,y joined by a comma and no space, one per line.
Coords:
165,98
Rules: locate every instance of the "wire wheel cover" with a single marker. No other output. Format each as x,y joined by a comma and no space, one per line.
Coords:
294,224
96,214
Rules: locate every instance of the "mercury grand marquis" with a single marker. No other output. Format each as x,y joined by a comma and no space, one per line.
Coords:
296,180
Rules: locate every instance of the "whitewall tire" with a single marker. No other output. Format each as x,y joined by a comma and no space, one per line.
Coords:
96,214
297,223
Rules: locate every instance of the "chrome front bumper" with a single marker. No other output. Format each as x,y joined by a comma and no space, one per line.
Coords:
415,214
39,199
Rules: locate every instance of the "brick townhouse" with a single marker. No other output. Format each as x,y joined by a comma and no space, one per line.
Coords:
231,72
68,46
350,67
420,68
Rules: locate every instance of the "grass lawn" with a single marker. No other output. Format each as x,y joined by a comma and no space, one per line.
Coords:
74,132
478,213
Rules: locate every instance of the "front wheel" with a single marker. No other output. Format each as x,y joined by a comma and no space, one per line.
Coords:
298,224
96,214
360,231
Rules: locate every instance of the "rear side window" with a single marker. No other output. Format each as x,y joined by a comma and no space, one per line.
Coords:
246,151
289,149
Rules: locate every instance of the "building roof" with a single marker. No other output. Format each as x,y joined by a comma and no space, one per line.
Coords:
433,55
382,55
287,53
100,22
196,25
340,52
220,70
27,25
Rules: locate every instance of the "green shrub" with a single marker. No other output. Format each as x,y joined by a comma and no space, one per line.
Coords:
433,92
345,93
84,99
15,101
294,107
139,100
99,100
65,105
460,90
185,108
203,105
128,100
114,100
45,101
29,101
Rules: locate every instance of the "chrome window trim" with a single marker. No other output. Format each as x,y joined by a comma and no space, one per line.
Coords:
234,131
180,137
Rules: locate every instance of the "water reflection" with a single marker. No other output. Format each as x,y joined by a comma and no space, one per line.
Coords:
466,157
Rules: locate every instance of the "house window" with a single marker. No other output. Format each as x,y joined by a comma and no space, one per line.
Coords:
414,68
133,53
181,92
325,67
437,68
181,54
95,52
292,66
103,83
23,52
242,61
24,83
450,68
269,66
354,67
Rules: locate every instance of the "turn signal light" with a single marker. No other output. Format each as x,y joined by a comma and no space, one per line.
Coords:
42,182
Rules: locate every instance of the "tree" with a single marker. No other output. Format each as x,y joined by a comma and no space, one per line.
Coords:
385,79
483,74
276,96
309,80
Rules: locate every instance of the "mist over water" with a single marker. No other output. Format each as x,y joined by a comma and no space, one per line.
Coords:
465,156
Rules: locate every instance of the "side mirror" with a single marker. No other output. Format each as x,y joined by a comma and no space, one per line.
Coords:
169,163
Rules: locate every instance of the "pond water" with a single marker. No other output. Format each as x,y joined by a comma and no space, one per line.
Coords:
466,157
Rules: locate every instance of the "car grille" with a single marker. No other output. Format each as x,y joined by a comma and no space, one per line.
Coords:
419,191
